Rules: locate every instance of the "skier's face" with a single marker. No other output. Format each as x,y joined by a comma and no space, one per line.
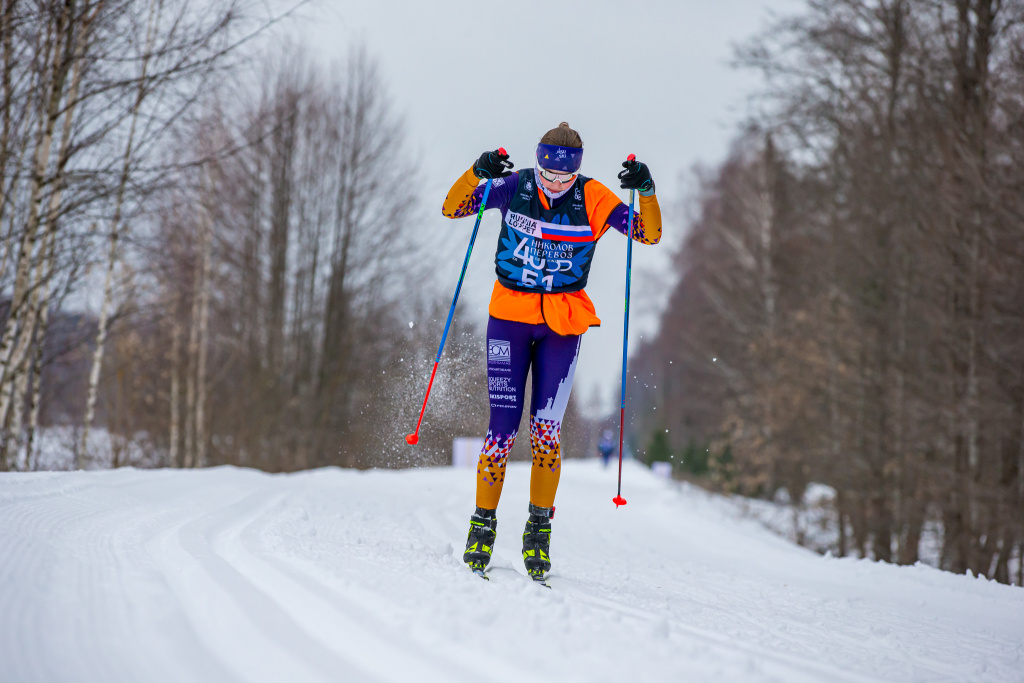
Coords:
555,181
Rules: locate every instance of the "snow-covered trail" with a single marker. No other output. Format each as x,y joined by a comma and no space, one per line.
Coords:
331,575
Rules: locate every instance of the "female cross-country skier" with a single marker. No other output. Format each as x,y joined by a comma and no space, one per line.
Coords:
552,218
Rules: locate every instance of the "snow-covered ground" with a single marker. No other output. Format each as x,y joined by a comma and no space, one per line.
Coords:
331,575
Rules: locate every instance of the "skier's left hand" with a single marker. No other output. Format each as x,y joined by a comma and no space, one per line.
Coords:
636,177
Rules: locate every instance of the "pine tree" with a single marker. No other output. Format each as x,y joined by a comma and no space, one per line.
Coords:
658,448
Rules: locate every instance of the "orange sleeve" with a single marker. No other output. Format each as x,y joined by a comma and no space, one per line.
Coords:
600,202
457,204
649,229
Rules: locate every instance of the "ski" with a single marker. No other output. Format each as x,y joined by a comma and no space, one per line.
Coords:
538,577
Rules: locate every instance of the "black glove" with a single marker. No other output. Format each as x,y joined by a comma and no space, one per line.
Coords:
493,164
636,176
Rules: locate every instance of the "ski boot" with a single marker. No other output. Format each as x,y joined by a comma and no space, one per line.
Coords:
536,541
483,526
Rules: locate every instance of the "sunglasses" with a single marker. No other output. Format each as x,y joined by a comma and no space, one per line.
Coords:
563,178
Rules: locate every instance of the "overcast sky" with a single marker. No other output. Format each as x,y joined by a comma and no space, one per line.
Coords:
651,78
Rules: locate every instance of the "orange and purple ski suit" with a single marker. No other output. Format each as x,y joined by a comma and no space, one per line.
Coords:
536,319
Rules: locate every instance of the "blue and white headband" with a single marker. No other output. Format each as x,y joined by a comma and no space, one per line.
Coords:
560,159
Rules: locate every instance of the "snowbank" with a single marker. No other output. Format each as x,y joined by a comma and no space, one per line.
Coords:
228,574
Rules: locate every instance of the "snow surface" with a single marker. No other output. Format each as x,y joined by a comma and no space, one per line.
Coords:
335,575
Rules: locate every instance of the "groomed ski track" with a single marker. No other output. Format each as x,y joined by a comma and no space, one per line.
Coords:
235,575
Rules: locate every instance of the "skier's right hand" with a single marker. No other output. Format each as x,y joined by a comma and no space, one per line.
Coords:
493,165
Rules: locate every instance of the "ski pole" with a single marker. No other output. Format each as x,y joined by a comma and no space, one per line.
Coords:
415,436
618,499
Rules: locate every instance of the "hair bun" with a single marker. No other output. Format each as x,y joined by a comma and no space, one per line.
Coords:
563,136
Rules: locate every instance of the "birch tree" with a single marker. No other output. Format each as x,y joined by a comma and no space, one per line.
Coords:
115,229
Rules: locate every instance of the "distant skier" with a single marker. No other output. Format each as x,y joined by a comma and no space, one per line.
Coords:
606,447
552,218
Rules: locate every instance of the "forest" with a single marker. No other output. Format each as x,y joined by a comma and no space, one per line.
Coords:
260,300
849,308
